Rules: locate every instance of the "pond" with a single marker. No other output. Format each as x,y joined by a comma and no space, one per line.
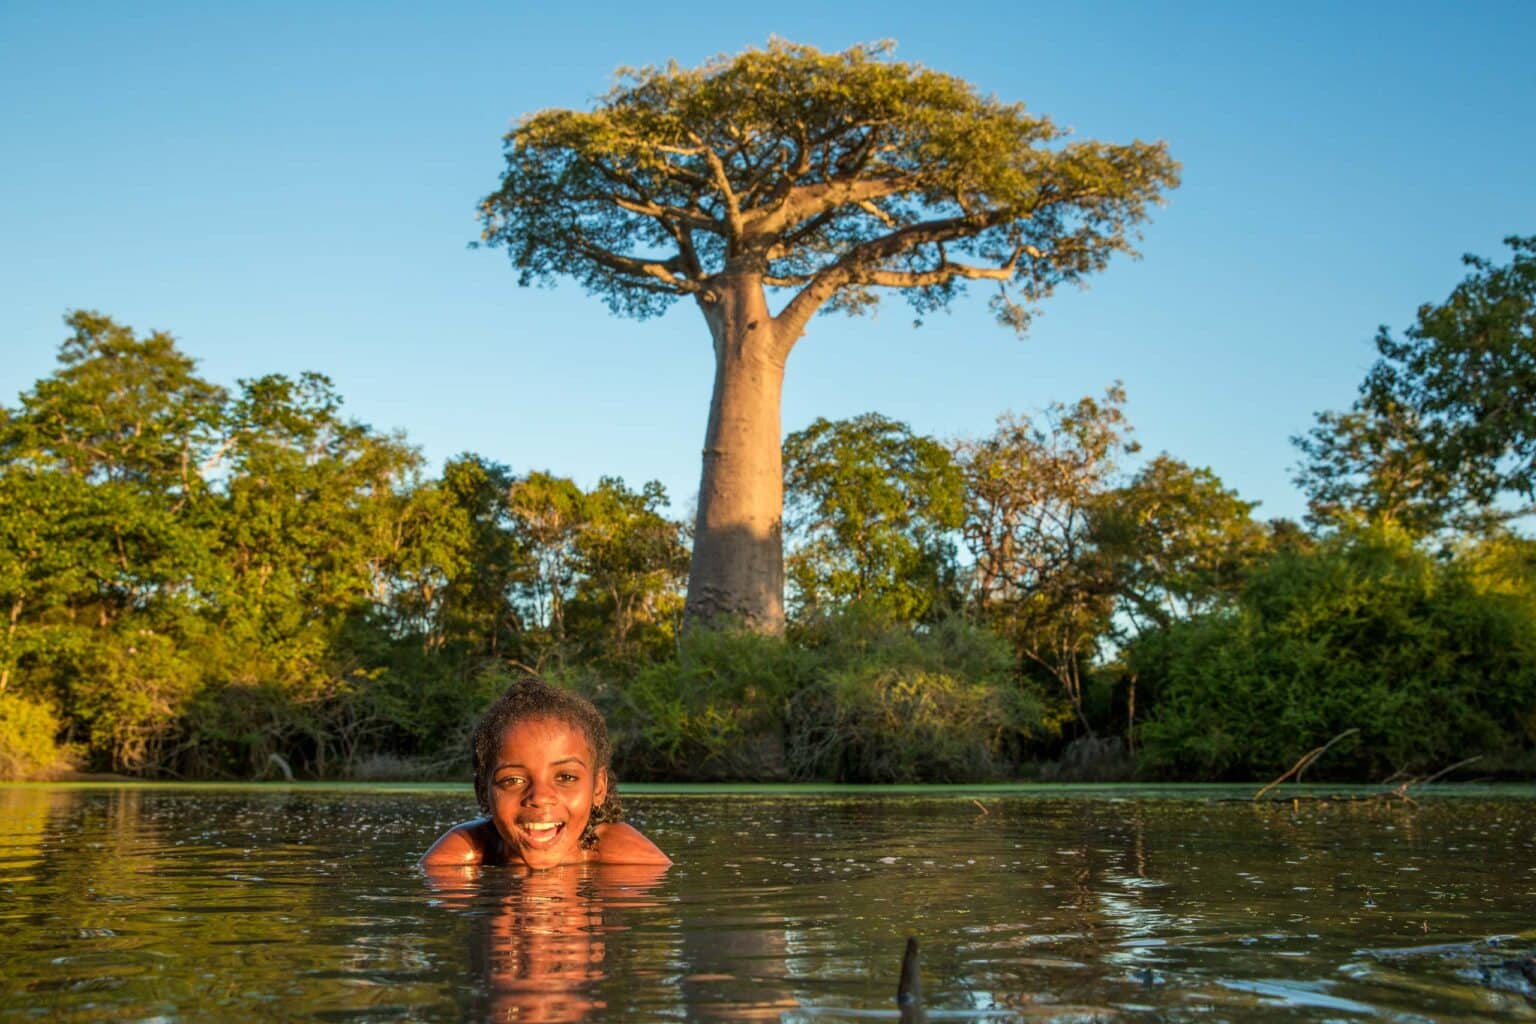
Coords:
192,903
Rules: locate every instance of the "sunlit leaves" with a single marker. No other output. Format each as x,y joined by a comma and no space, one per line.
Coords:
1032,493
1444,430
1178,540
838,169
871,509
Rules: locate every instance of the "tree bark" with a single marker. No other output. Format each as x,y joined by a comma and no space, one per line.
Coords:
737,568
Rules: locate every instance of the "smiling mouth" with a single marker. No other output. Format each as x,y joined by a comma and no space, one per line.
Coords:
541,833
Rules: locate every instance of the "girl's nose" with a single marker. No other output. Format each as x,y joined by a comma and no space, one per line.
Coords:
537,794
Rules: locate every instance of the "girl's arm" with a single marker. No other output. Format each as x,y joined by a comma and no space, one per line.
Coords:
618,843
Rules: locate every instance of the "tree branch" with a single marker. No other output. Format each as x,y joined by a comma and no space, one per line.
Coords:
863,261
660,211
945,271
686,251
804,202
723,184
660,270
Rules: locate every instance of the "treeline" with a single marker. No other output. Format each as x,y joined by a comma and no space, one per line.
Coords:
199,582
196,579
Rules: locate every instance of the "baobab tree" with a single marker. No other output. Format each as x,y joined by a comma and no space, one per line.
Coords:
783,182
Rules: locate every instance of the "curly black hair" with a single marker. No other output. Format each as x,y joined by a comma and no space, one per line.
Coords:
529,698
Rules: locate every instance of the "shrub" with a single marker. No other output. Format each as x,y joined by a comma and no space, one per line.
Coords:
939,703
715,711
851,697
28,746
874,722
1364,632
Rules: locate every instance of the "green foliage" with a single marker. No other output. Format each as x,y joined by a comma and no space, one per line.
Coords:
632,560
1366,631
852,697
1444,425
199,579
870,508
940,704
120,408
194,580
1032,494
28,732
607,568
714,711
1177,541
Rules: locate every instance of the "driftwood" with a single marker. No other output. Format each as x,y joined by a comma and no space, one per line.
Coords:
1399,792
282,765
1402,790
1306,762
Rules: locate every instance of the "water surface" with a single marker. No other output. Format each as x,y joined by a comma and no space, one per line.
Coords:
289,903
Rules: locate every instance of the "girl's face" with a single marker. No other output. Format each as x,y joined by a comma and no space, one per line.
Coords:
543,788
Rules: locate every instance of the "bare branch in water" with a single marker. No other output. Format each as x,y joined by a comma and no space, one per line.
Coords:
1305,762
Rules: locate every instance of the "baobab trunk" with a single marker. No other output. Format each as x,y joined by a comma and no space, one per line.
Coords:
737,569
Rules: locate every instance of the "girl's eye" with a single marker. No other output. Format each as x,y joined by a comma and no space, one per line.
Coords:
566,777
510,780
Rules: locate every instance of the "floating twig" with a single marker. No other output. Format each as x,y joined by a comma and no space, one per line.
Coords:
1402,790
1305,762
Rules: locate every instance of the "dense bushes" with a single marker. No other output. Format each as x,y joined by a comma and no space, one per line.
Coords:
848,698
27,739
1366,631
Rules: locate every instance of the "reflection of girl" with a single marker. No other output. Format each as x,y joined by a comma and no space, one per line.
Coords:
539,939
545,789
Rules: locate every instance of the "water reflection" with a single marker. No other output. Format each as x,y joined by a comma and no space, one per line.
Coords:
539,941
303,904
24,815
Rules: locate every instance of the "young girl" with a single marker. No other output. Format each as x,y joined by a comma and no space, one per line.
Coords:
545,789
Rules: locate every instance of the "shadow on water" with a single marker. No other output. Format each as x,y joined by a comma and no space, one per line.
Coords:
208,904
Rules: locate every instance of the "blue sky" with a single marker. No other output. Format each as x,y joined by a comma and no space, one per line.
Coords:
293,186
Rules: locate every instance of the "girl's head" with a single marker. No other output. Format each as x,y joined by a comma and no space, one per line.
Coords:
506,780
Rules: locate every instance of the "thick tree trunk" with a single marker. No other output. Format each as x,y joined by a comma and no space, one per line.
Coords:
737,571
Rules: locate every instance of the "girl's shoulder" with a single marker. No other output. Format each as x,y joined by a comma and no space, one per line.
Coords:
619,843
470,842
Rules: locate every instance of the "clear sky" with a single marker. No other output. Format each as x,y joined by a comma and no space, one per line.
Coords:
292,186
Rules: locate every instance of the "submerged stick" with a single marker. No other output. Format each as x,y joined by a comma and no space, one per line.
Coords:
1305,762
909,990
282,764
1402,790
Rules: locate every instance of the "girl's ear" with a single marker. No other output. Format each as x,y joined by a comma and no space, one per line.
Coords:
600,790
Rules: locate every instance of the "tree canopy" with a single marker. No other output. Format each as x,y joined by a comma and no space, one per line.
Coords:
831,174
1445,423
871,509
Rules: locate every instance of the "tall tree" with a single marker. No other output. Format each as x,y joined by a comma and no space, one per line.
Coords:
105,553
871,508
1033,492
632,560
1178,541
1444,429
819,179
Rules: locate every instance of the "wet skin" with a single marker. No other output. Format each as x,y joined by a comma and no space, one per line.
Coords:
543,788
